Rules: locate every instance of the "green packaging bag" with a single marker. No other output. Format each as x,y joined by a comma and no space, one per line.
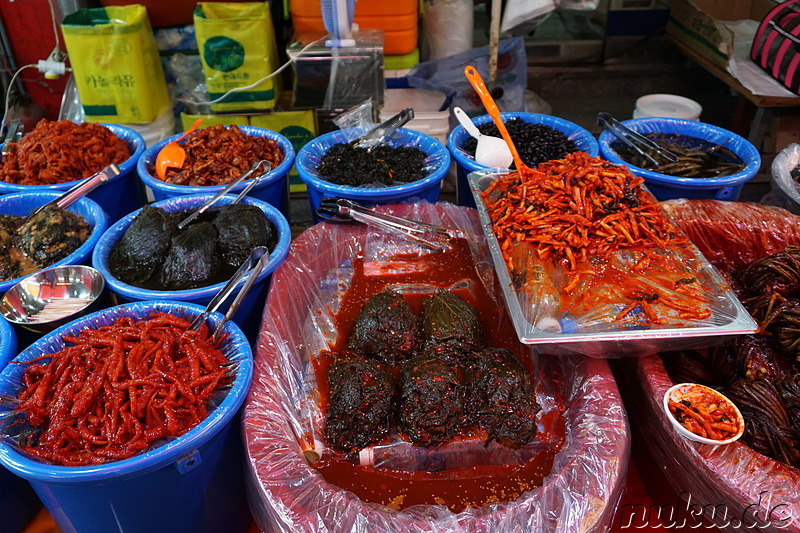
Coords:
237,46
115,63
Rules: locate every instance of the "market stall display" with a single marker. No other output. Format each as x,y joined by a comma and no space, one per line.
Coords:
742,485
383,186
198,470
250,313
688,177
283,421
57,155
84,211
216,156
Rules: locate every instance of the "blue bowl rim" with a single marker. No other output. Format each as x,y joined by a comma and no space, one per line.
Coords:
363,192
8,341
126,167
751,154
147,159
87,247
129,291
154,459
572,130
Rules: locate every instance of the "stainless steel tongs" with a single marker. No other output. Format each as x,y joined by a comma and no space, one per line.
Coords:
80,190
380,133
14,134
634,140
341,210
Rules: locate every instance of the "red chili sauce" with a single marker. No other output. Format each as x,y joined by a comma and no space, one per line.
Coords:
457,489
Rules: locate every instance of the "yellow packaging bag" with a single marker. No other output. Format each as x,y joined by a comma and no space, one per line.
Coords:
115,63
238,48
297,126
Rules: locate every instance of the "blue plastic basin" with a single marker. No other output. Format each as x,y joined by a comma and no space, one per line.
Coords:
465,163
273,188
666,187
249,315
191,484
120,195
436,165
21,204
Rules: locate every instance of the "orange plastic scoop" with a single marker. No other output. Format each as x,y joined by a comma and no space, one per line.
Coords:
476,81
173,155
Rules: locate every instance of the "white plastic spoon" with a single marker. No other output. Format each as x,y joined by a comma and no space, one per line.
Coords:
492,152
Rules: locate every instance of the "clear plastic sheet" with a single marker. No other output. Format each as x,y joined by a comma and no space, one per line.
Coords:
785,191
738,486
281,418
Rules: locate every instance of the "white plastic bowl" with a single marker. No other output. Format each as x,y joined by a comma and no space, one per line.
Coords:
675,393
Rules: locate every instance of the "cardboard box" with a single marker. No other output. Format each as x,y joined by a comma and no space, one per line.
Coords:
698,24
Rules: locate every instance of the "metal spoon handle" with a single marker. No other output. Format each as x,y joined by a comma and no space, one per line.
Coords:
80,190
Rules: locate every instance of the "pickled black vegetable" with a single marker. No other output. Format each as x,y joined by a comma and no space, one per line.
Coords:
536,143
241,228
500,398
141,250
192,259
343,164
360,405
450,326
756,357
51,235
431,401
386,329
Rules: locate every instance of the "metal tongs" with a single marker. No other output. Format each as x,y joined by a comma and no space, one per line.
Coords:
211,201
80,190
381,133
341,210
14,134
251,268
634,140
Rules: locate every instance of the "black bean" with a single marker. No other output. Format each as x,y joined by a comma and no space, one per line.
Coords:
536,143
344,164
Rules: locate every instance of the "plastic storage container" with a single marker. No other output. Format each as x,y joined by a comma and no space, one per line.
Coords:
428,116
397,19
667,105
666,187
120,195
785,190
428,188
192,484
21,204
249,315
584,141
273,188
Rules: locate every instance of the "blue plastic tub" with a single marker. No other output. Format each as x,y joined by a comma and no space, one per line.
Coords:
583,139
120,195
273,189
666,187
428,188
8,343
191,484
249,314
22,204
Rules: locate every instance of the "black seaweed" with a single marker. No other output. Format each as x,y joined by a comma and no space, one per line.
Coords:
431,401
192,259
360,404
51,234
141,250
451,327
343,164
242,228
386,329
500,398
536,143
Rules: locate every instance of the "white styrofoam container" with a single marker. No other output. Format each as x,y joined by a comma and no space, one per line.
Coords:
426,104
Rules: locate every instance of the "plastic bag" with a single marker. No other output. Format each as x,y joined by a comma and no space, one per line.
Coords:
785,191
356,121
116,65
286,494
447,28
447,75
740,488
237,46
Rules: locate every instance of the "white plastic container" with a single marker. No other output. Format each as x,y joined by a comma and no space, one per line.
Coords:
667,105
426,104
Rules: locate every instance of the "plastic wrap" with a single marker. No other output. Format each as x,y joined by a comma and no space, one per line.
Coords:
280,415
666,187
785,191
108,497
8,343
21,204
740,486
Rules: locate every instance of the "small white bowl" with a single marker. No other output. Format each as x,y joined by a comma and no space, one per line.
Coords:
677,391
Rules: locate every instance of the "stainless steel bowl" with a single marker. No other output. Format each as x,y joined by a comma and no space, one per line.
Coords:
50,298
